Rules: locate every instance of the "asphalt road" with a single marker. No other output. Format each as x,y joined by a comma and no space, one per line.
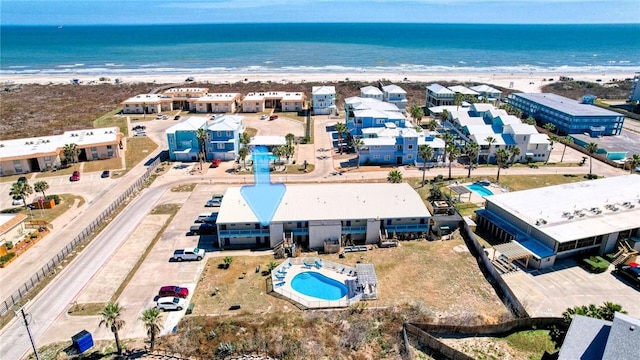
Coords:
55,299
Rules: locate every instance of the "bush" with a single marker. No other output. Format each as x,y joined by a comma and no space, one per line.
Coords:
4,259
9,245
55,198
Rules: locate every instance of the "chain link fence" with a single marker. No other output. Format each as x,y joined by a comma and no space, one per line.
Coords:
50,266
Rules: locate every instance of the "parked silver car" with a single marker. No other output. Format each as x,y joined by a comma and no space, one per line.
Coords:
170,303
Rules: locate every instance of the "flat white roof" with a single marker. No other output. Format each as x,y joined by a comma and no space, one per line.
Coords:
218,97
282,95
566,105
38,146
268,140
560,207
331,202
147,98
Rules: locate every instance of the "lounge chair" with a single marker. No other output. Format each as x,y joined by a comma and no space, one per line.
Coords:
307,266
342,271
280,283
280,277
318,264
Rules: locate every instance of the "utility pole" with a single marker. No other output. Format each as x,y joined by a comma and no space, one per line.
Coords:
26,318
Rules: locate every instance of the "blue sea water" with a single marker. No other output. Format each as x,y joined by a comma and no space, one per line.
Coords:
317,48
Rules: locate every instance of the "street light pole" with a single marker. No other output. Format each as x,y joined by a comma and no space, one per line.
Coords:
25,319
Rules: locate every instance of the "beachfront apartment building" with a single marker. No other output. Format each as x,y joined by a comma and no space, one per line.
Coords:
396,95
371,92
309,215
438,95
223,138
481,121
486,92
35,154
147,104
567,115
216,103
541,225
182,98
393,145
465,91
361,113
323,100
278,100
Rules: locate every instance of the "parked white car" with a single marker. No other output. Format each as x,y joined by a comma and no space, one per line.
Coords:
170,303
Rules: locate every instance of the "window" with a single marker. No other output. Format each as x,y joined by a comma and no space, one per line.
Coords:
94,156
377,147
376,156
110,153
93,148
387,157
409,147
218,133
409,157
47,158
109,147
228,133
220,146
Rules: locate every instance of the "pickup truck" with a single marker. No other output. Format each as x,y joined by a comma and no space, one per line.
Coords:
202,229
631,272
188,254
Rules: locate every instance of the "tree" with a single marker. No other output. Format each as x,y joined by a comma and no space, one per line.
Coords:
417,113
289,150
530,121
71,153
290,137
448,139
491,140
472,150
445,115
202,136
591,148
341,128
357,146
502,156
242,154
565,141
454,153
458,98
152,322
41,186
227,261
112,320
432,125
245,139
279,151
271,265
633,161
552,140
21,190
394,176
549,127
515,152
606,311
144,110
426,153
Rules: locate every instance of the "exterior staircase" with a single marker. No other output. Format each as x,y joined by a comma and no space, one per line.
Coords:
625,251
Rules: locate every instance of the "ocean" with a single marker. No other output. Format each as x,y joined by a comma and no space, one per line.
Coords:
317,48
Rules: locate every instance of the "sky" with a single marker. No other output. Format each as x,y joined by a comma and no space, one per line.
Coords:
84,12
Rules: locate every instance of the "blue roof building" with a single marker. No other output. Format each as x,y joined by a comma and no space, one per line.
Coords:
568,116
223,138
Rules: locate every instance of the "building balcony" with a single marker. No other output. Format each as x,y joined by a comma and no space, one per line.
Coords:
400,228
354,229
243,233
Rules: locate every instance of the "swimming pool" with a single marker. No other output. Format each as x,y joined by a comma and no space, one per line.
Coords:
318,286
479,189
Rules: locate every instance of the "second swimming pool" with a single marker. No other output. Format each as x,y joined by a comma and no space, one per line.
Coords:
318,286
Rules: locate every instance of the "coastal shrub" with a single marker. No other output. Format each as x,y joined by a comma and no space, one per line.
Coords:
9,245
5,258
56,198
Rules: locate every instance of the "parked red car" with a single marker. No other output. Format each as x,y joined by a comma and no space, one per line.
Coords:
173,291
215,163
75,176
273,117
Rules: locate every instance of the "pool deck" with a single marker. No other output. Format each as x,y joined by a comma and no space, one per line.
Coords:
328,269
475,197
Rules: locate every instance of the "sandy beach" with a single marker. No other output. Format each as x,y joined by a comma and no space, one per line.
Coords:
525,82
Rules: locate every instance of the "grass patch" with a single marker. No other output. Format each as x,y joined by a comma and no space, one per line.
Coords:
87,309
293,115
251,131
184,187
288,169
466,209
169,209
533,342
62,172
525,182
138,149
48,215
100,165
12,178
102,349
110,119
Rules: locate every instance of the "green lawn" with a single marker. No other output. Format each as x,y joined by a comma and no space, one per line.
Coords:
110,119
138,148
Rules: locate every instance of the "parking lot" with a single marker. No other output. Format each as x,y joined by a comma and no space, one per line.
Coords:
552,291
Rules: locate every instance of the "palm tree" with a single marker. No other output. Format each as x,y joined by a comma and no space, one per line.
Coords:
242,154
530,121
432,125
394,176
454,153
112,319
227,261
491,140
591,148
633,162
502,156
271,265
457,100
445,115
71,153
41,186
202,136
289,150
426,153
448,139
144,110
290,137
552,140
245,139
357,146
417,113
152,321
472,150
565,141
515,152
341,128
22,190
279,151
549,127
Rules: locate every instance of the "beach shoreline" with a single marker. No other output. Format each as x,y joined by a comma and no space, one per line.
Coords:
525,82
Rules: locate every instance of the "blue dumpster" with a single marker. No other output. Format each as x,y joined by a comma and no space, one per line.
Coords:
82,341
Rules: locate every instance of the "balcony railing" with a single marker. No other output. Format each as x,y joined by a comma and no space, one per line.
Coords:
243,233
354,229
406,228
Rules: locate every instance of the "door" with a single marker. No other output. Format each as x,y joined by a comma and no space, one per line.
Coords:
399,160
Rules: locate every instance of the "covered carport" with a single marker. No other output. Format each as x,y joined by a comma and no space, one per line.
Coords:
460,190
